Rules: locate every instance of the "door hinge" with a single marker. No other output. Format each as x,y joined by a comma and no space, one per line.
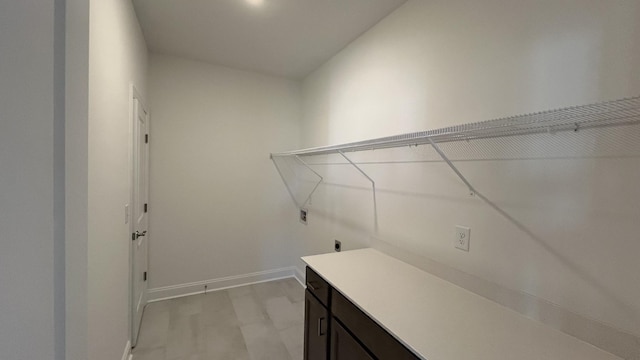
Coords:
145,276
146,138
146,208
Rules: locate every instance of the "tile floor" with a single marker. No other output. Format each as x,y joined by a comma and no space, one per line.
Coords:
254,322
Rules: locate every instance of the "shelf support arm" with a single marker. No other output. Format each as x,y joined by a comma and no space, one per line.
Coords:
453,167
373,185
286,184
317,184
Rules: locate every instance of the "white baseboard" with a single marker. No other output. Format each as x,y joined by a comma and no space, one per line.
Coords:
299,275
180,290
127,352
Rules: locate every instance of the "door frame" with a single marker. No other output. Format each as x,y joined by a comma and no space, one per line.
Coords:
134,95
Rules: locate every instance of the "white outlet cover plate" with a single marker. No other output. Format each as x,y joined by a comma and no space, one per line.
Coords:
463,237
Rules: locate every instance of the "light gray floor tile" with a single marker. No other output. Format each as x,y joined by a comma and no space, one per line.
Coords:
300,306
155,326
239,291
149,354
268,290
218,309
255,322
293,289
158,306
193,357
264,342
186,337
293,339
226,342
282,313
248,309
189,305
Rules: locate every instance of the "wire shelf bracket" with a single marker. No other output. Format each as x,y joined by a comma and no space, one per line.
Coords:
315,187
373,186
472,190
320,179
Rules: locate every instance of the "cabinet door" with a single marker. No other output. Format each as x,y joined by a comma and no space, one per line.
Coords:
316,324
344,346
318,286
372,336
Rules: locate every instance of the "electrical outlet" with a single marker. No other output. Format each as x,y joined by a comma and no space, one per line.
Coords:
337,246
303,216
463,236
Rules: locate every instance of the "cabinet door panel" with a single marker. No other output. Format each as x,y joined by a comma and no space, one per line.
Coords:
376,339
318,286
344,346
316,327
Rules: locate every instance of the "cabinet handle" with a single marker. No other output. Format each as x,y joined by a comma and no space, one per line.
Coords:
310,284
320,333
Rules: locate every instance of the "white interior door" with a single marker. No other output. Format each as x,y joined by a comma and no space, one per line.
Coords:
139,208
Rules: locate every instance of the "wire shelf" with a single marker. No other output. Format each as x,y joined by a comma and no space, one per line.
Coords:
611,113
605,114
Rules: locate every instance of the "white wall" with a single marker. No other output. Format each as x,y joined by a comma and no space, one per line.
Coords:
76,165
216,206
27,208
571,237
117,58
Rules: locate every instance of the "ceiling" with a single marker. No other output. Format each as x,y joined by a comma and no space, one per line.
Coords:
288,38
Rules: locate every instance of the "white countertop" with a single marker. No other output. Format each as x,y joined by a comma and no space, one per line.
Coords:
439,320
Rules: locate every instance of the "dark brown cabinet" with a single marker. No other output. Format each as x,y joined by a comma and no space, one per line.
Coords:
316,325
354,335
345,346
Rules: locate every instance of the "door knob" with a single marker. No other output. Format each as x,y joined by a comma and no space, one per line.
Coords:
140,234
